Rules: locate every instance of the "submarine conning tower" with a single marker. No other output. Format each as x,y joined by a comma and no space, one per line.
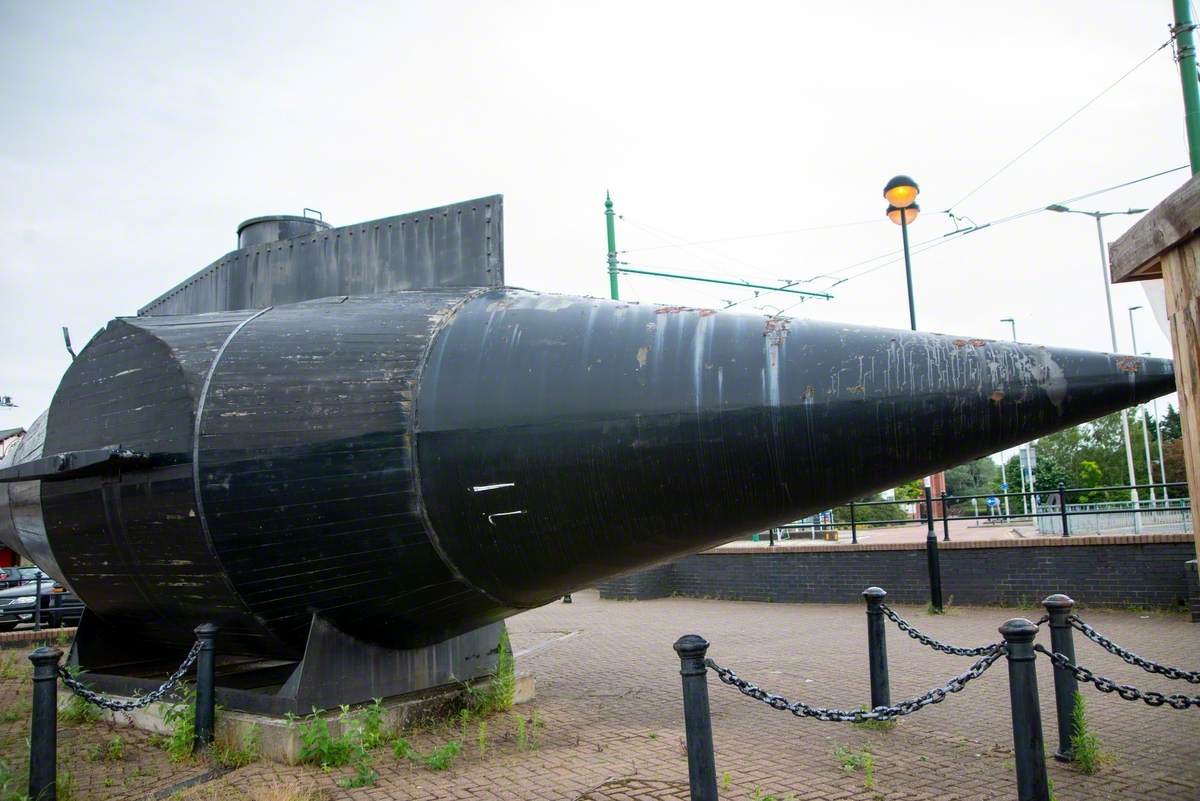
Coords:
406,464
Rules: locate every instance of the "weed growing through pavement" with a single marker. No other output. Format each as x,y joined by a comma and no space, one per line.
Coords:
875,725
482,737
1085,745
240,754
862,760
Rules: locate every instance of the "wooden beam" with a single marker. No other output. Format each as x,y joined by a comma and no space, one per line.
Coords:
1137,255
1181,279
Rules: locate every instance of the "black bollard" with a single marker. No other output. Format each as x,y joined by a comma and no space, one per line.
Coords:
567,599
1028,747
931,556
702,768
945,520
881,691
43,734
1059,607
1062,511
853,526
206,690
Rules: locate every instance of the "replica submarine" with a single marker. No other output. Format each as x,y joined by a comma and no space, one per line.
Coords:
410,465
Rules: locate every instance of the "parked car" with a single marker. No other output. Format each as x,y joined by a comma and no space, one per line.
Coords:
10,576
59,605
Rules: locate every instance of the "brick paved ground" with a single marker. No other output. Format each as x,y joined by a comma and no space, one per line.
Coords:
609,698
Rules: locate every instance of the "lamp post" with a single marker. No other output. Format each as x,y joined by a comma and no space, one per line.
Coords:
1145,416
1162,467
1098,216
901,194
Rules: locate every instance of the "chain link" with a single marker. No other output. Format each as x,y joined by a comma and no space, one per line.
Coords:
937,645
1192,677
802,710
105,702
1126,691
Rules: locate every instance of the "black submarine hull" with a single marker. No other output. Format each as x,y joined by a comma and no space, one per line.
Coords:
414,465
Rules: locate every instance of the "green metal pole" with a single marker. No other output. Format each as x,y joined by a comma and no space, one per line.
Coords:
612,247
1185,45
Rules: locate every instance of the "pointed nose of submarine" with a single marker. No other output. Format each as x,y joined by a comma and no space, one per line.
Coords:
563,440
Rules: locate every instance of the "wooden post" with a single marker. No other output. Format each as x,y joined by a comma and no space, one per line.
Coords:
1166,244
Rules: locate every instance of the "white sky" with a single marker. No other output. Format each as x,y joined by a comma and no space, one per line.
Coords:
136,136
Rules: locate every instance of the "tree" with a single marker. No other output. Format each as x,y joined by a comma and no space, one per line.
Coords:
1171,427
912,491
1089,476
973,478
1048,474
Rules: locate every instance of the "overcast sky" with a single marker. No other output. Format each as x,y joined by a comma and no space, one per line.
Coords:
137,135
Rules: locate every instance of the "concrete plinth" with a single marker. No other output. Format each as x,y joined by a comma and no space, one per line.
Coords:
279,740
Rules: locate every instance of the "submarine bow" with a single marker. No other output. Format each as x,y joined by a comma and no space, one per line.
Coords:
413,465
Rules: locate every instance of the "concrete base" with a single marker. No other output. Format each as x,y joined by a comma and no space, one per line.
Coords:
279,740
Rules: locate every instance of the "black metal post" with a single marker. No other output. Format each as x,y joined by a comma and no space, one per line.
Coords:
853,526
43,730
567,599
1028,747
931,554
881,691
945,520
1058,608
771,536
37,602
702,768
206,697
1062,509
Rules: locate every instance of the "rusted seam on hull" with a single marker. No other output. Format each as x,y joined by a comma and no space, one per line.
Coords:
208,539
442,321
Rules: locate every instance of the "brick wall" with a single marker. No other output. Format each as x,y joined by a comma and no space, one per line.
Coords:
1147,570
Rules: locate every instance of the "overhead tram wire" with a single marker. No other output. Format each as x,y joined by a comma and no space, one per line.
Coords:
764,235
1060,125
894,256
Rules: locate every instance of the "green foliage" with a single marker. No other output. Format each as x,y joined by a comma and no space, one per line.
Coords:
12,666
442,758
370,725
522,735
1085,745
760,795
912,491
319,747
64,785
180,718
726,781
437,759
1089,475
403,750
13,783
500,693
866,515
112,750
1171,427
238,755
482,738
15,711
862,760
364,775
973,478
76,709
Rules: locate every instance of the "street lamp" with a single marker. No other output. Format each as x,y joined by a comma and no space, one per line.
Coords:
1013,323
1145,416
1112,329
1162,467
901,194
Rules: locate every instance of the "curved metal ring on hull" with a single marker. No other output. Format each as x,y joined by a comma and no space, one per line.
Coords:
414,465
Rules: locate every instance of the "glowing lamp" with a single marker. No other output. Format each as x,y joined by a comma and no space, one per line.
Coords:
909,213
901,191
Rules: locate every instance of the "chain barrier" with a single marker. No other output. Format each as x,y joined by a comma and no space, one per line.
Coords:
103,701
1190,676
937,645
801,709
1126,691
